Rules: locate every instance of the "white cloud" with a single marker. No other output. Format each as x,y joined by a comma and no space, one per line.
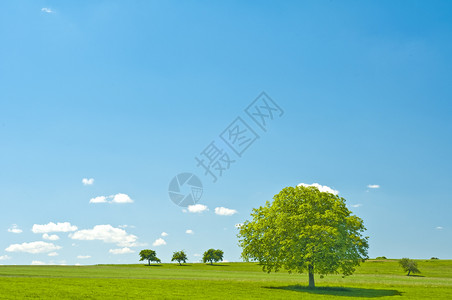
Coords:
373,186
87,181
223,211
189,231
439,228
52,227
118,198
121,198
99,199
126,226
14,229
33,247
47,10
321,188
124,250
37,263
106,233
53,254
164,234
356,205
52,237
4,257
197,208
197,255
83,256
159,242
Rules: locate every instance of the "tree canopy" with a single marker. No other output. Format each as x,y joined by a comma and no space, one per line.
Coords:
304,229
179,256
409,265
212,255
149,255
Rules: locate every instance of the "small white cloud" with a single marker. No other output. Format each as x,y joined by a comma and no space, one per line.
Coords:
108,234
356,205
126,226
118,198
4,257
439,228
14,229
223,211
197,255
33,247
121,198
124,250
197,208
37,263
99,199
164,234
47,10
159,242
189,231
83,256
87,181
52,227
52,237
321,188
373,186
53,254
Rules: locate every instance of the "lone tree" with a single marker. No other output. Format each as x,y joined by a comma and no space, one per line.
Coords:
304,229
179,256
212,255
149,255
409,265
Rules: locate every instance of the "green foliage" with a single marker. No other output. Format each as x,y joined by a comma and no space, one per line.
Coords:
381,257
212,255
434,258
409,265
304,230
179,256
149,255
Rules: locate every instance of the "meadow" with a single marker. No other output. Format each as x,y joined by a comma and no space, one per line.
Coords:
382,279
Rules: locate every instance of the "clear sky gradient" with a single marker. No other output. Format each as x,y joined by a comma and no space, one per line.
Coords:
130,92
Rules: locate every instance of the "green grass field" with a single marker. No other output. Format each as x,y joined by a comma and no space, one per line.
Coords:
374,279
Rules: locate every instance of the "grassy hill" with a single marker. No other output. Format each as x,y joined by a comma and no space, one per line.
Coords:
374,279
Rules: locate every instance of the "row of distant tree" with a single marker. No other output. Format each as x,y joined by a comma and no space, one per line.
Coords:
210,256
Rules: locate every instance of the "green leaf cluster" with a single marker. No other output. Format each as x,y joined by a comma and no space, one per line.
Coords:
212,256
304,229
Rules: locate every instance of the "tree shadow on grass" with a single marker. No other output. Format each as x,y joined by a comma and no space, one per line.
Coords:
218,265
339,291
152,265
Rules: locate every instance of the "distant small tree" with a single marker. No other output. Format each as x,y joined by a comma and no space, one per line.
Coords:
179,256
212,255
149,255
409,265
381,257
434,258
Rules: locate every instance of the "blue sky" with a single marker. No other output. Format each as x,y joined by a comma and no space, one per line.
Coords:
130,92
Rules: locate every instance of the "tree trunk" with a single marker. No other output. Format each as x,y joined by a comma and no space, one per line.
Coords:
149,262
409,271
311,277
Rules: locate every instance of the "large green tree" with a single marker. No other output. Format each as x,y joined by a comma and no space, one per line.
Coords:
212,255
304,229
179,256
149,255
